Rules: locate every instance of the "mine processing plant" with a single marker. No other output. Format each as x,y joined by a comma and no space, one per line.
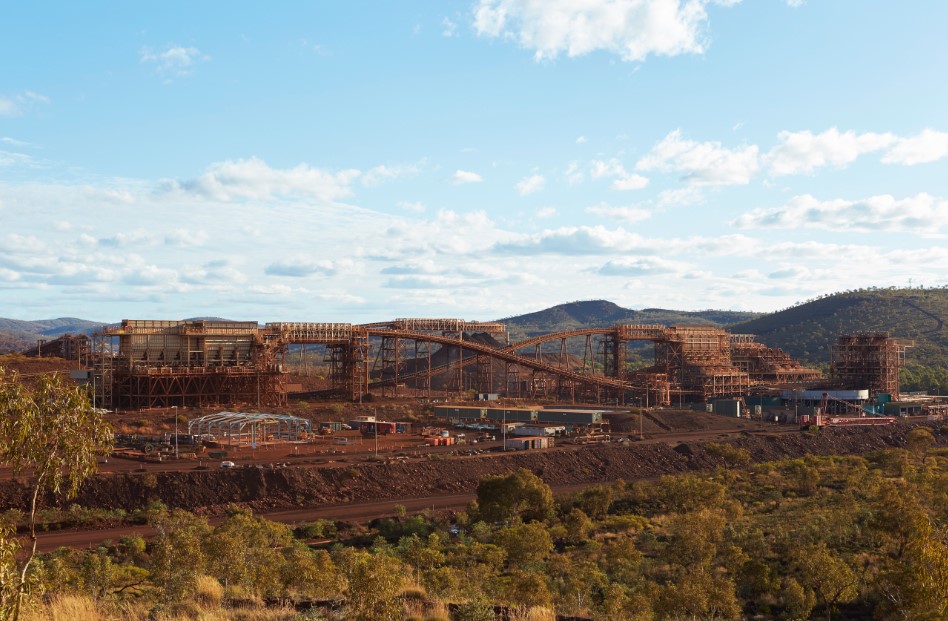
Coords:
144,364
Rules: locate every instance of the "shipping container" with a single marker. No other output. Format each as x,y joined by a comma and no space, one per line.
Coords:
378,427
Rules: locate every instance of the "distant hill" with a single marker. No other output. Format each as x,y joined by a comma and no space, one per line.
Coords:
602,313
17,335
807,331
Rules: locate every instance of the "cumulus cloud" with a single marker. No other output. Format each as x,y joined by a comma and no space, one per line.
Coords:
299,267
928,146
531,184
921,214
631,29
627,214
574,174
465,176
640,266
701,163
622,179
572,241
254,179
174,60
803,151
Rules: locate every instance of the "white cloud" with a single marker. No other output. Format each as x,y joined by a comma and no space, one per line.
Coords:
173,60
803,152
630,182
531,184
623,180
16,105
921,214
640,266
380,174
546,212
796,3
581,140
928,146
574,241
299,267
449,28
254,179
412,206
186,238
574,174
702,163
13,142
680,197
8,158
465,176
631,29
447,233
627,214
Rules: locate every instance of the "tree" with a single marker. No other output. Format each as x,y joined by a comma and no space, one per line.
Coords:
247,551
521,494
919,440
827,575
526,544
915,586
177,557
49,428
374,582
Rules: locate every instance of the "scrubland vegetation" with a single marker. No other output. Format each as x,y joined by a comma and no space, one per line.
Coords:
796,539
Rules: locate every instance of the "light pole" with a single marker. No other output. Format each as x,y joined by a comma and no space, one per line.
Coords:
504,429
175,408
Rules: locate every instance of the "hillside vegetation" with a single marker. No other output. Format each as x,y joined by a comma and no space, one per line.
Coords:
808,331
601,313
16,335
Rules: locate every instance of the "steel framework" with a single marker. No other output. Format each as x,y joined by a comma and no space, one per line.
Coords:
869,360
161,363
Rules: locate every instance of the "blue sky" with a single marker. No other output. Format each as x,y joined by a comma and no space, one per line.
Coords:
358,161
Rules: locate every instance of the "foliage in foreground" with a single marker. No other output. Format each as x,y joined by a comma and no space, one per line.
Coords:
802,538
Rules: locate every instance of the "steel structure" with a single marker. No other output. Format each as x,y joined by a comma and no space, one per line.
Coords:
146,364
768,364
239,428
68,347
161,363
869,360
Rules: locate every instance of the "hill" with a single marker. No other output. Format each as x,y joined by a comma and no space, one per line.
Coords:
807,331
17,335
602,313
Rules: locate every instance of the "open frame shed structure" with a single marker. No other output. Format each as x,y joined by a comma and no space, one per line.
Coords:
251,429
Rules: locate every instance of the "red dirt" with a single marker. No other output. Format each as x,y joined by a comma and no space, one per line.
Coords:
267,490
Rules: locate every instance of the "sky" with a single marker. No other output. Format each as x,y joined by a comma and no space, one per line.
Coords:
364,160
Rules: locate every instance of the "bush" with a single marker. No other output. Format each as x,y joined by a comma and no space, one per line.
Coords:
208,591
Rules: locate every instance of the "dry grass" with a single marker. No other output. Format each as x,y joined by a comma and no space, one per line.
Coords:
534,613
67,608
208,592
438,611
